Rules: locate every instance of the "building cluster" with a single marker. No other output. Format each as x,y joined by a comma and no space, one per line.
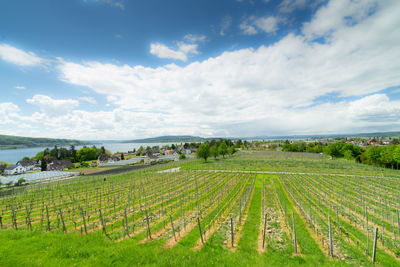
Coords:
24,166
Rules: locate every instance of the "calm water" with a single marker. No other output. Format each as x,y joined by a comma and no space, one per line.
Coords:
14,155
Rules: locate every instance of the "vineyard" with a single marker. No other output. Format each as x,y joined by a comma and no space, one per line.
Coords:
252,209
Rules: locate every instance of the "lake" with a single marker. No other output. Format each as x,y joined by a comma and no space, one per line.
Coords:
14,155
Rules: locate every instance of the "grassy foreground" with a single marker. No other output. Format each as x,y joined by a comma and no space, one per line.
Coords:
221,197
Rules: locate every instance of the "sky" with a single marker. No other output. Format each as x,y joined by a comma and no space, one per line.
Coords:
120,69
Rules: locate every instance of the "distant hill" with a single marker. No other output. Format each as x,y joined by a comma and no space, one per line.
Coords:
168,139
326,136
12,142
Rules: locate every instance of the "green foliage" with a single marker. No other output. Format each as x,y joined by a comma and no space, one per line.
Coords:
203,152
84,164
223,149
182,156
43,165
231,150
294,147
20,182
214,151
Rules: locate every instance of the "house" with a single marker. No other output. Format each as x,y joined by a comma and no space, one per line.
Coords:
60,165
169,152
372,142
29,165
150,159
14,170
103,158
187,151
113,159
385,142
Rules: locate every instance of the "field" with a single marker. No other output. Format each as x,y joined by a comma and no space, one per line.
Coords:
252,209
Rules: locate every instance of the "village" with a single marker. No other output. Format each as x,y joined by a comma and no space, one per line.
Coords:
29,170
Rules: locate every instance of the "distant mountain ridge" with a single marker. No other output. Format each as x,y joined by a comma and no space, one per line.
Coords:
13,142
169,139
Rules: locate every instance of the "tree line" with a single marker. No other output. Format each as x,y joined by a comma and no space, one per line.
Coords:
215,148
383,156
80,155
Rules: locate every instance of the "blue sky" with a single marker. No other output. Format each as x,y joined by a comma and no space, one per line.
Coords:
118,69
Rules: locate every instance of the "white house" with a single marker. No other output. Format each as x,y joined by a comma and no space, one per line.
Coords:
14,170
29,165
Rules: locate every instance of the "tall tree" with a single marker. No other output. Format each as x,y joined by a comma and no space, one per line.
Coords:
203,152
43,165
223,149
214,151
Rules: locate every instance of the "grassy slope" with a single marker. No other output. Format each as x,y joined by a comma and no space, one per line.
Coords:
24,248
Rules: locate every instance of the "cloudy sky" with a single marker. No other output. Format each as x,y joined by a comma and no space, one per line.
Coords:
119,69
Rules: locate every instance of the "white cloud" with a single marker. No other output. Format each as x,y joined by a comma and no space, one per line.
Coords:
272,88
88,99
188,48
287,6
195,38
338,14
53,107
247,29
267,24
113,3
20,87
19,57
253,25
269,90
8,112
163,51
225,24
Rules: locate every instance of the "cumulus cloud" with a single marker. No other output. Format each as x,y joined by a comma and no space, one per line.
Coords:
287,6
163,51
268,90
19,57
8,113
247,29
253,25
88,99
195,38
338,14
53,107
273,88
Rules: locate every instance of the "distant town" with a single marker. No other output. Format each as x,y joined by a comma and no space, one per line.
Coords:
68,162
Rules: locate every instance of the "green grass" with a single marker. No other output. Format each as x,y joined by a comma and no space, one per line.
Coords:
38,248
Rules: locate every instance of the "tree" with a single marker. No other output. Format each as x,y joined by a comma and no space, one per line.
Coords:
73,153
43,165
20,182
223,149
231,150
182,156
214,151
25,158
203,152
122,156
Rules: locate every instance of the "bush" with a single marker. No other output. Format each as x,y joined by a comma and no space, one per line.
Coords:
182,156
